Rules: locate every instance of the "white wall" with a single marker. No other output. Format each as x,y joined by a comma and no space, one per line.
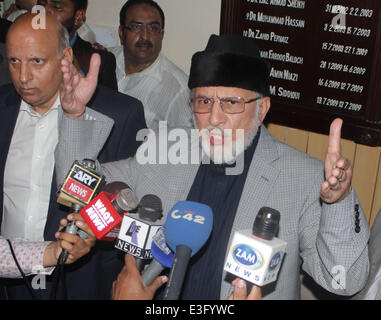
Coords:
188,25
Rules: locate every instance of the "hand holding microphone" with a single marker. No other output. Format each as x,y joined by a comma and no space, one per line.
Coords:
81,185
76,246
129,285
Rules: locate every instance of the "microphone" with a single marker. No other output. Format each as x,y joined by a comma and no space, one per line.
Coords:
256,255
81,185
162,258
137,229
103,213
187,228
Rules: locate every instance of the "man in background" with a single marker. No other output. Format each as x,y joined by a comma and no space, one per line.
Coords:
31,108
146,74
72,13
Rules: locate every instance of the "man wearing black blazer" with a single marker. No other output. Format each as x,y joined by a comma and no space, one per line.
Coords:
4,71
72,13
92,276
4,26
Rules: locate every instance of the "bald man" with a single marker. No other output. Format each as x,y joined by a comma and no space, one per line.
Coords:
30,110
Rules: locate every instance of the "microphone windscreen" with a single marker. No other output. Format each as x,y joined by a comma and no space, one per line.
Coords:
127,200
190,224
112,187
150,208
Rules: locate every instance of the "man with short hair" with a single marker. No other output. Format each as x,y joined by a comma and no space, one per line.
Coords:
31,109
321,219
146,74
72,13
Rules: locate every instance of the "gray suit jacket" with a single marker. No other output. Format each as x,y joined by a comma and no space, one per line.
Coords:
374,258
320,236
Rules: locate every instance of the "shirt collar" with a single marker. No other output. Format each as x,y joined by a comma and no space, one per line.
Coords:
151,71
26,107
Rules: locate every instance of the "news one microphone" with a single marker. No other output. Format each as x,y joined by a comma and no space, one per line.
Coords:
162,258
137,230
81,185
104,213
186,230
256,255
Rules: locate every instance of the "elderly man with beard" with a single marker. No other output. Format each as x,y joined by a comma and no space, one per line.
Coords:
230,93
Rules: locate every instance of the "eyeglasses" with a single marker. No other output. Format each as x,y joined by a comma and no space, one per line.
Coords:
137,27
231,105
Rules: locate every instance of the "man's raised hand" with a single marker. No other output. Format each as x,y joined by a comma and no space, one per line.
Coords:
77,90
338,170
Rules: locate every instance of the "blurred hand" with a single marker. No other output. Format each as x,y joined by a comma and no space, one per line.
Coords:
130,286
240,291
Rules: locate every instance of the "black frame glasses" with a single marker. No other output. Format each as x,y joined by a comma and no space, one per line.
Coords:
138,27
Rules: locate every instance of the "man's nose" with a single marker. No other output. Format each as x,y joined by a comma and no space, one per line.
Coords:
217,115
25,74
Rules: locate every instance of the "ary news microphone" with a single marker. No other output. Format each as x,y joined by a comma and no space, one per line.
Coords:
137,229
187,228
104,213
162,258
81,185
256,255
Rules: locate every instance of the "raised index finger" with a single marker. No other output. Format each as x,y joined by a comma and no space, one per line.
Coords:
334,144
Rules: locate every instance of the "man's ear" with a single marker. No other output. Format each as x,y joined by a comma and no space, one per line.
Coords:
121,36
79,18
264,107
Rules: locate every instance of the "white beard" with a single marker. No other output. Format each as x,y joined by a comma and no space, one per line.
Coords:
227,152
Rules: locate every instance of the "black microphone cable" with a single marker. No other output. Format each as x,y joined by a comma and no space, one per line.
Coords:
30,289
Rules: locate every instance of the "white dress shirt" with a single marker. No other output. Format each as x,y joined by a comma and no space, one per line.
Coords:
162,88
28,173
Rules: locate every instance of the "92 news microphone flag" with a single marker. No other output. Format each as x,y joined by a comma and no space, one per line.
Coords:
187,228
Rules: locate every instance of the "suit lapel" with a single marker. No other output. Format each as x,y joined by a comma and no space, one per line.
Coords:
259,184
9,111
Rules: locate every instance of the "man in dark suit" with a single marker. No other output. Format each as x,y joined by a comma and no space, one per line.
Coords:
35,93
4,26
4,71
71,13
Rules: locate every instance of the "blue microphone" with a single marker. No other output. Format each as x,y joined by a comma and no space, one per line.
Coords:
186,230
